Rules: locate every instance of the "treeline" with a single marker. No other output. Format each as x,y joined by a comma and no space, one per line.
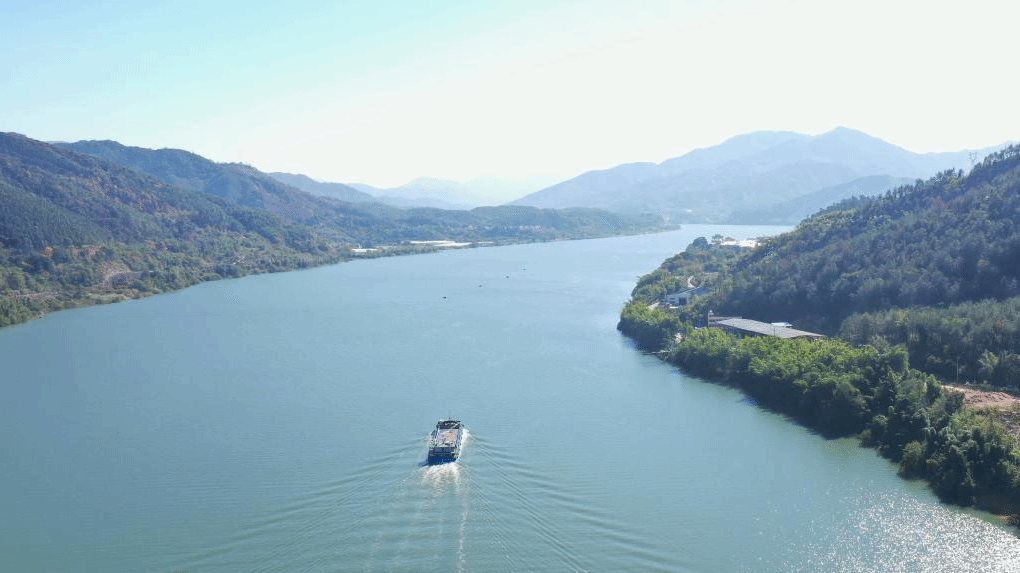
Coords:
55,278
973,342
841,390
498,225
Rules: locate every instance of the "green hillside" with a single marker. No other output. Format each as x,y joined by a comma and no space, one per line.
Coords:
951,239
78,230
235,183
934,265
917,288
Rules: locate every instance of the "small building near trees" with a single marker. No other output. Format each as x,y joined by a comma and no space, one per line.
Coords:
683,297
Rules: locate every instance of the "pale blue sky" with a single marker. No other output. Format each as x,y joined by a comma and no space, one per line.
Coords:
383,91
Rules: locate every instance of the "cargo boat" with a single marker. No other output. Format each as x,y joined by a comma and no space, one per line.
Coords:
445,441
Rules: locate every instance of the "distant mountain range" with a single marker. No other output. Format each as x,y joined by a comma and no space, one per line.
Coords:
349,215
771,174
775,177
448,194
423,191
335,190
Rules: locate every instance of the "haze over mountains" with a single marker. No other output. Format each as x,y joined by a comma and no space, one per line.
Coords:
347,214
771,174
448,194
775,177
324,189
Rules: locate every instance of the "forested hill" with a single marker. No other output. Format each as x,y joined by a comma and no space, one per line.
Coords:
934,266
56,198
77,230
236,183
951,239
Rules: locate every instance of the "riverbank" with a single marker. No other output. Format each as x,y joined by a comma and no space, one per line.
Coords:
967,454
83,277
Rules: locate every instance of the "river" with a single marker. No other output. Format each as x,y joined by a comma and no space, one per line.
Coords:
278,423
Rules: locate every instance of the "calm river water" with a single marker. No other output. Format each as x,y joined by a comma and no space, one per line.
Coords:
278,423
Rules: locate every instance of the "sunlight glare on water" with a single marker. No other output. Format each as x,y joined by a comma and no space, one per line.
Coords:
906,535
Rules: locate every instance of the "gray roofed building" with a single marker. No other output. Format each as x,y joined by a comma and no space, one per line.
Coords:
748,327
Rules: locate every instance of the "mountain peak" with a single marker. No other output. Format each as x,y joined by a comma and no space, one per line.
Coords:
745,172
849,134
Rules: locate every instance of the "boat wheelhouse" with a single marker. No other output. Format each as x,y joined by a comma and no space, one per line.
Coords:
445,442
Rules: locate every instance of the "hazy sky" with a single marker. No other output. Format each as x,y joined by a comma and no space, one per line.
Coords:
382,91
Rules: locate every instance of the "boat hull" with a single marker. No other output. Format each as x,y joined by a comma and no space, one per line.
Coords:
437,459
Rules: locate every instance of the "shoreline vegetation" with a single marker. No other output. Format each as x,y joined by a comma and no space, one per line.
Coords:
968,454
114,280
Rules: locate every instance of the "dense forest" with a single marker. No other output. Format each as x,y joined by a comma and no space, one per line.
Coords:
973,342
916,288
78,229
